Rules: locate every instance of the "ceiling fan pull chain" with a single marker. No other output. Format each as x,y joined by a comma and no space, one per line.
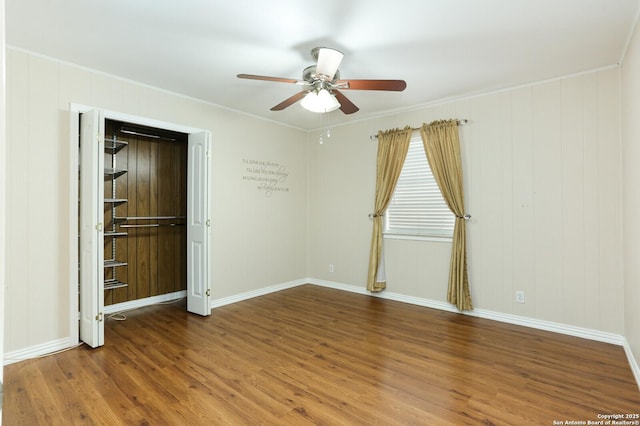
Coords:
326,132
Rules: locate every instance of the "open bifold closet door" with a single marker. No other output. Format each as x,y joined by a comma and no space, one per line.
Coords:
198,225
91,226
144,219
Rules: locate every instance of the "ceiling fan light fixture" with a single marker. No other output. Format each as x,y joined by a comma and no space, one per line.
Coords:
320,101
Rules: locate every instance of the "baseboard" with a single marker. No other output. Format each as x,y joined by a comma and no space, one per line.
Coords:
632,362
555,327
141,303
570,330
339,286
216,303
584,333
54,346
38,350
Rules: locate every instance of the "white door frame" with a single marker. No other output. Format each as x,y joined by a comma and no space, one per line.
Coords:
74,161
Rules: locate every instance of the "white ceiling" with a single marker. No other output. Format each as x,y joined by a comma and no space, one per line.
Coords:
441,48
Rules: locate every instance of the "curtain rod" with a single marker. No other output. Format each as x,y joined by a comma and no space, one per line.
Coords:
461,122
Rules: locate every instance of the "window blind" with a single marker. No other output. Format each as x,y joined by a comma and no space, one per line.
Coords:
417,206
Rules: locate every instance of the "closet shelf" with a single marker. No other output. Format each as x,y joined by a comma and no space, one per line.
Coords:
113,263
112,146
110,173
111,284
115,201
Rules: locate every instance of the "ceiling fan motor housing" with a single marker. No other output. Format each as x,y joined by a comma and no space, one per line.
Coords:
309,75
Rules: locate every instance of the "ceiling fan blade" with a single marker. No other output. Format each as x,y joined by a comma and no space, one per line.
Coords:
328,62
289,101
346,105
393,85
267,78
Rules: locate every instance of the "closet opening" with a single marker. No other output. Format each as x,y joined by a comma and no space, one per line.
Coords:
145,207
143,218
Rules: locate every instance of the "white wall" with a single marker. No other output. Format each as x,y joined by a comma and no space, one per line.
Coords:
257,240
631,206
542,180
3,206
542,175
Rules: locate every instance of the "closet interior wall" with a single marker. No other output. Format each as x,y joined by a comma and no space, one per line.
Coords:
148,218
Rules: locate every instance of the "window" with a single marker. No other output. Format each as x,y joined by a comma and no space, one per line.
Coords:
417,207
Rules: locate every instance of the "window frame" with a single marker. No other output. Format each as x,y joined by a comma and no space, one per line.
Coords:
428,234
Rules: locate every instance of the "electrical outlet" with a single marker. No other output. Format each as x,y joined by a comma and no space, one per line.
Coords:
331,267
519,296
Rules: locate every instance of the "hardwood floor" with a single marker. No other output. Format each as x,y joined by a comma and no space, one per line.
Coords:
312,355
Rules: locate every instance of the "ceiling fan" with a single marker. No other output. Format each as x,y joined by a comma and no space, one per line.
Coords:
322,84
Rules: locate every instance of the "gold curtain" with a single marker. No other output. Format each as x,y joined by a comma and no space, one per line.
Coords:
392,151
442,145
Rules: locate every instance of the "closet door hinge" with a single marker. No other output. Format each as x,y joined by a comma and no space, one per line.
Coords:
99,227
99,317
208,293
208,222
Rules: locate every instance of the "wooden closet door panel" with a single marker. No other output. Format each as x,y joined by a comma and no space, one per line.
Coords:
132,253
153,211
166,261
167,206
181,240
143,245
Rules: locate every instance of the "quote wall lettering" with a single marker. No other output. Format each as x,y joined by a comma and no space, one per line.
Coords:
267,176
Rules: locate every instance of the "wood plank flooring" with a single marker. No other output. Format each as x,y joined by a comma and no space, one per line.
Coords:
312,355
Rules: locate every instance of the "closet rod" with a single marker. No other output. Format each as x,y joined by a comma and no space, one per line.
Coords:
147,135
149,217
151,225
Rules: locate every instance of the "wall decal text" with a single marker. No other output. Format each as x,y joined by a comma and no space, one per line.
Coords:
268,176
